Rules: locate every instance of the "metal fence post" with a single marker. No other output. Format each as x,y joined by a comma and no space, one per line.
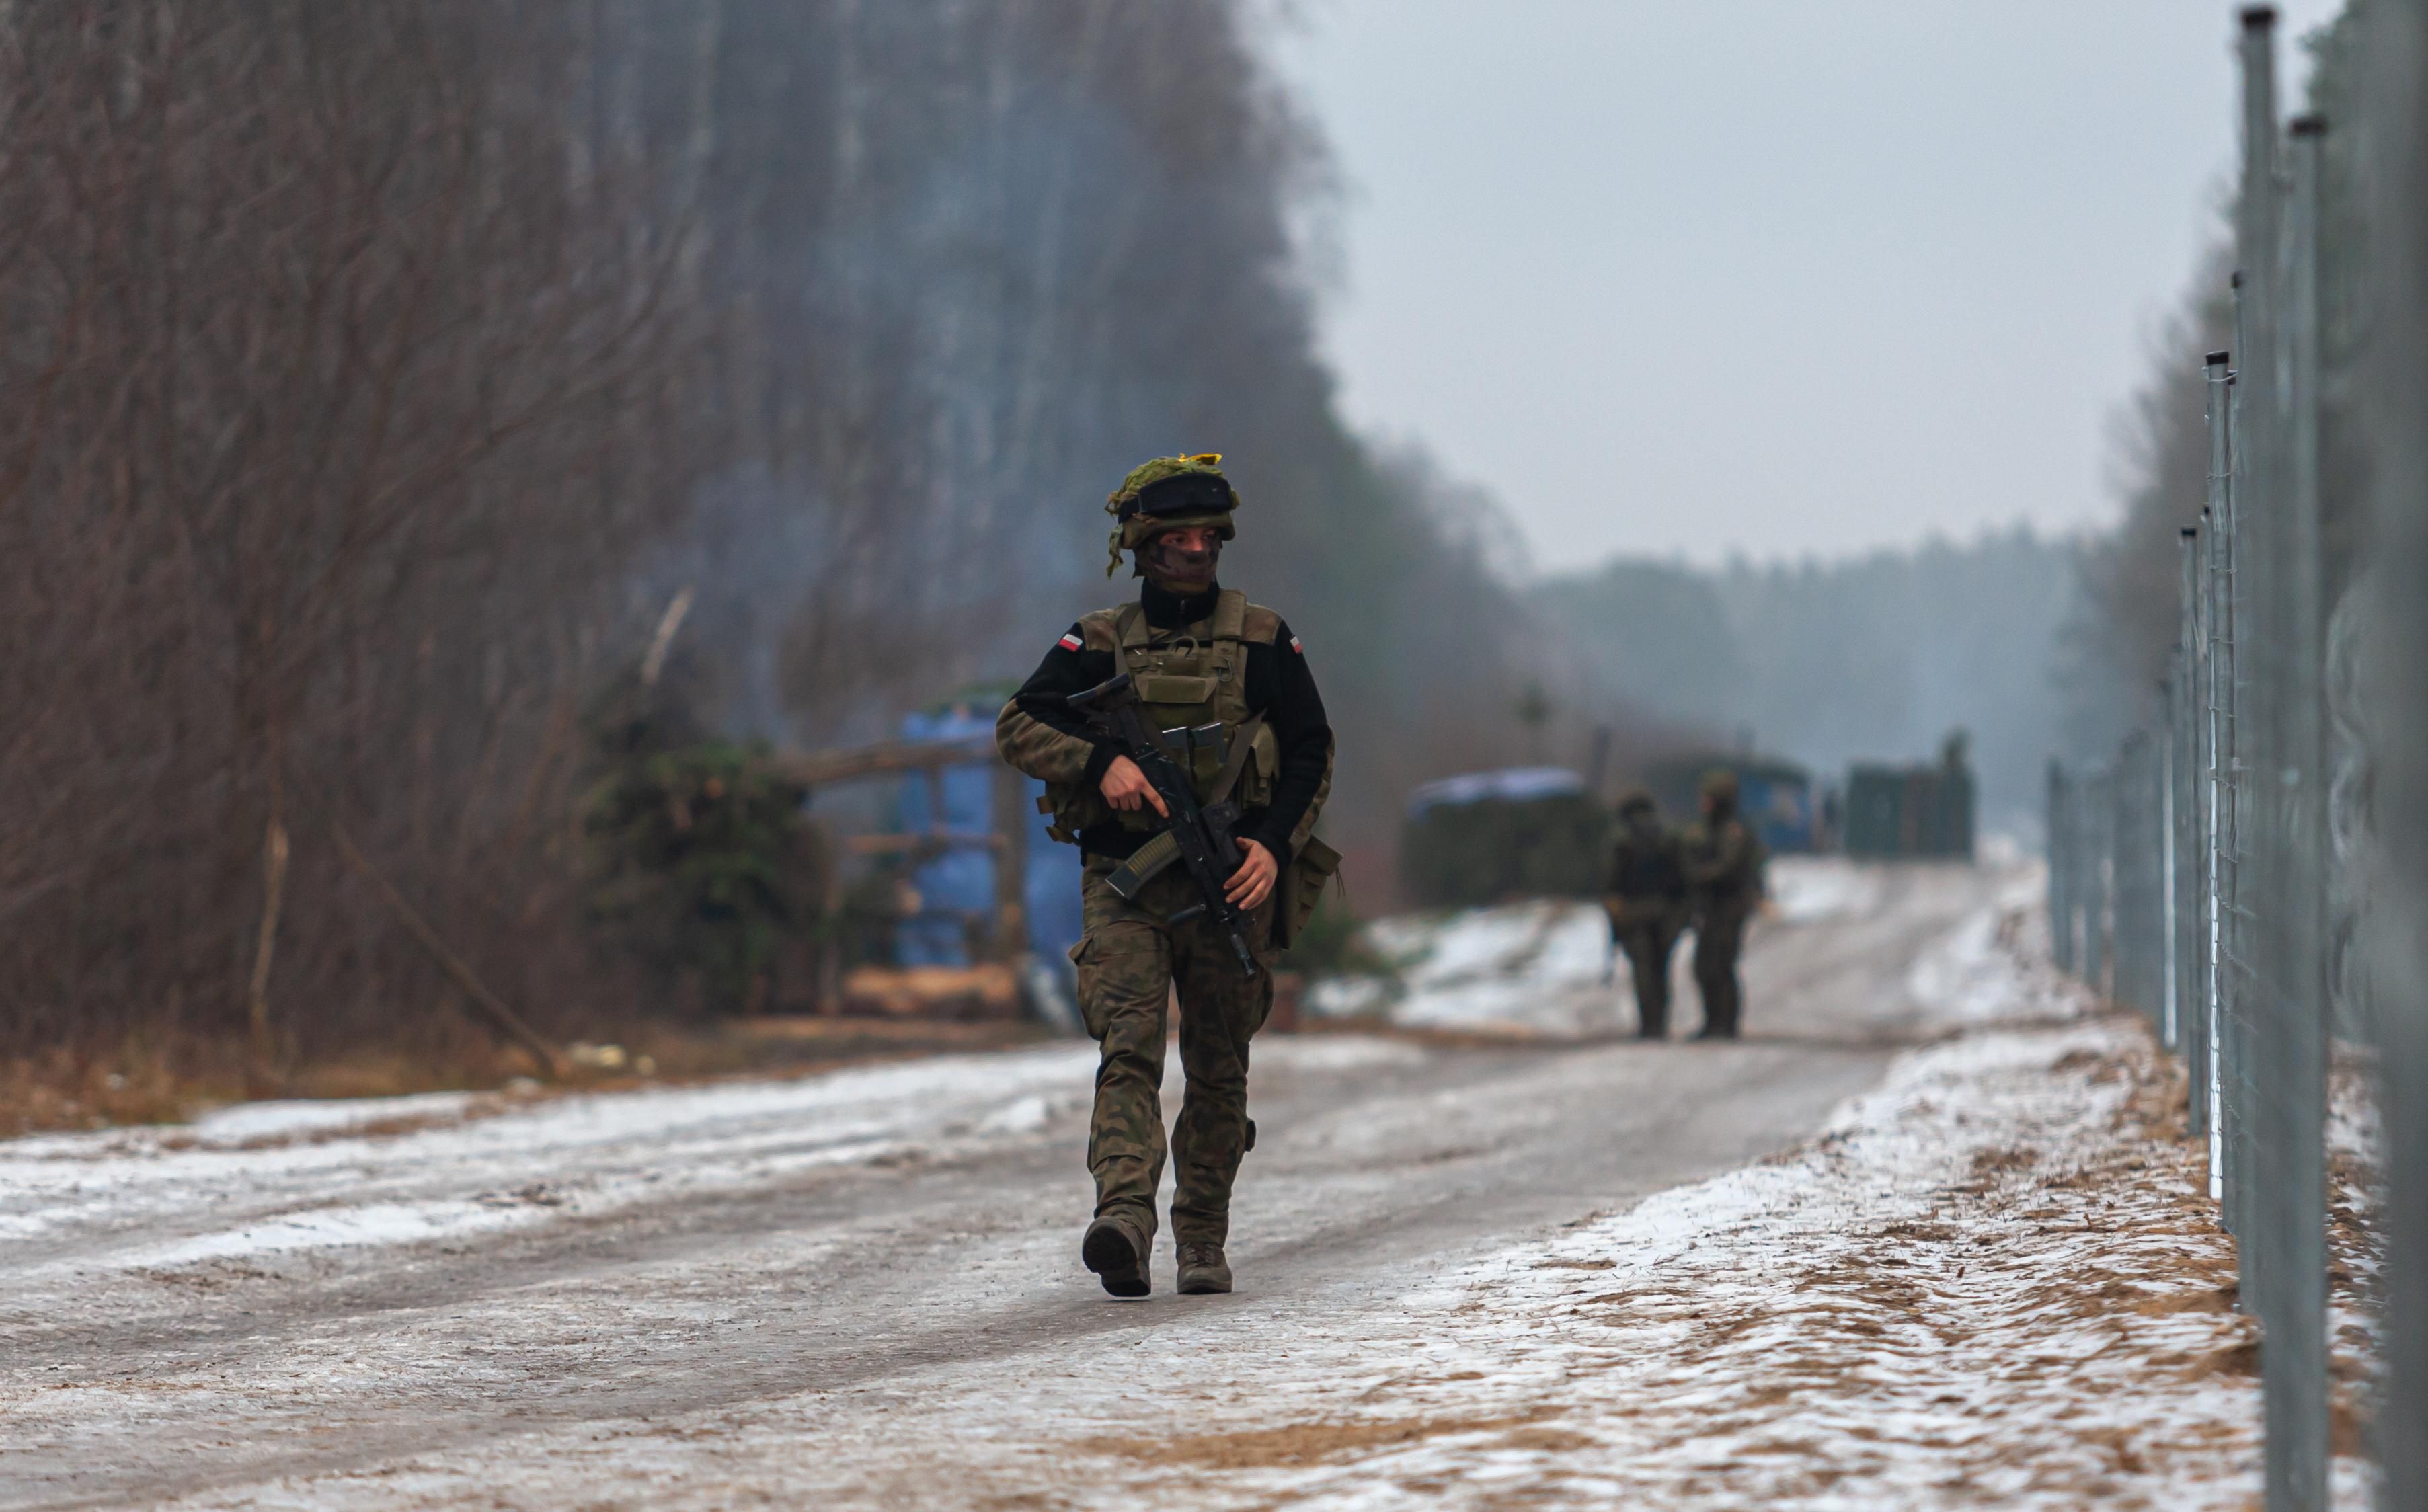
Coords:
2060,869
2395,90
2281,1253
2216,802
2298,1335
2183,826
2163,786
2096,813
2125,875
2225,813
2256,506
2205,1073
2139,915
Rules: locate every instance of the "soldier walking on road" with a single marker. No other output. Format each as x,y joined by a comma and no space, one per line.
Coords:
1200,656
1723,864
1648,906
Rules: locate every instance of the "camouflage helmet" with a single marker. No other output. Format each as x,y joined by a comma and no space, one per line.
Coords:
1169,493
1636,799
1720,786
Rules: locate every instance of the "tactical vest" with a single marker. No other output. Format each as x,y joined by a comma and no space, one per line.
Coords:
1646,867
1743,885
1193,686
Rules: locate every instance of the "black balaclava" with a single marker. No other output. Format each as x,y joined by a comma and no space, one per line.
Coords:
1176,571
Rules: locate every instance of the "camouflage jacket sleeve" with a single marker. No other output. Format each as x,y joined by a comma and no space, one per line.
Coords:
1720,862
1038,735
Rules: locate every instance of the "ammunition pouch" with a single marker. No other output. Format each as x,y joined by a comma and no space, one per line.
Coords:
1300,888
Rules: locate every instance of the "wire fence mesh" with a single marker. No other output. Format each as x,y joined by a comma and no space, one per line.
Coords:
2245,868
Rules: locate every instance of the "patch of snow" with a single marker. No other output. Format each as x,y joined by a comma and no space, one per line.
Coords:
1025,1115
1330,1054
378,1223
247,1122
1849,1326
1536,967
248,1182
1811,889
1350,997
231,1186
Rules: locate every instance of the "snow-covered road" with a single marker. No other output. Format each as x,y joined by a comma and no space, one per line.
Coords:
862,1289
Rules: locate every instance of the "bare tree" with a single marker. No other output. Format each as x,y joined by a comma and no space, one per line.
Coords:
317,373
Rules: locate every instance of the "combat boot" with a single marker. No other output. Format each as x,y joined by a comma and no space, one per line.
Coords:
1118,1256
1203,1270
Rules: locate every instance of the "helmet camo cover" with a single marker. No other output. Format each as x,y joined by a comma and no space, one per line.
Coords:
1166,494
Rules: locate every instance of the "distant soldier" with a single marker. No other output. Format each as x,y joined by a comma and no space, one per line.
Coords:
1723,863
1648,906
1201,656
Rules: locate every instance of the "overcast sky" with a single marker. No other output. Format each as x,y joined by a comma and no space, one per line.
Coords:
1773,276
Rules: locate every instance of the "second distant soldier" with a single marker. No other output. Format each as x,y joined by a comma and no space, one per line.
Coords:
1723,865
1648,906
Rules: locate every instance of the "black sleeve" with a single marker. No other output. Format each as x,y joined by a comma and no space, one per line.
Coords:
1295,711
1065,671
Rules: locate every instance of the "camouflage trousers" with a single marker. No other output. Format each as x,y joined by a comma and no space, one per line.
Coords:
1129,962
1719,939
1647,932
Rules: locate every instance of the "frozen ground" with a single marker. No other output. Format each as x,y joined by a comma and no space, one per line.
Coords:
1590,1274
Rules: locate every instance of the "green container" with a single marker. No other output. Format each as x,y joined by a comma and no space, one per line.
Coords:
1493,849
1922,811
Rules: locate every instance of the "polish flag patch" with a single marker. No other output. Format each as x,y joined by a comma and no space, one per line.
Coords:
1296,646
1070,642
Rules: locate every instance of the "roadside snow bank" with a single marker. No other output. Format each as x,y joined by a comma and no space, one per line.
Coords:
1808,888
1993,1280
1530,968
282,1178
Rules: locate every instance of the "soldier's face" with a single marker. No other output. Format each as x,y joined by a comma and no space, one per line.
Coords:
1183,558
1192,540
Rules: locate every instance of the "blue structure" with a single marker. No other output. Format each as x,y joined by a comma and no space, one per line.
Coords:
959,886
1774,797
1780,808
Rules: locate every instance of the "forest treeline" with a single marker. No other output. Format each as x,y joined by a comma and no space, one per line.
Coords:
1871,658
375,376
2124,629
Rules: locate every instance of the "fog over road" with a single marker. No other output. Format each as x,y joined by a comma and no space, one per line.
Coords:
746,1292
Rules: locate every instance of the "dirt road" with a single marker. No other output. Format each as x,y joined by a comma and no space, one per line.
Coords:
743,1295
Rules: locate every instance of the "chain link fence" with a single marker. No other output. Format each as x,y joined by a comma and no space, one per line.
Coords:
2221,871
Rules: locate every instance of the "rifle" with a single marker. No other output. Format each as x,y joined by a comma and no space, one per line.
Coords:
1198,836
